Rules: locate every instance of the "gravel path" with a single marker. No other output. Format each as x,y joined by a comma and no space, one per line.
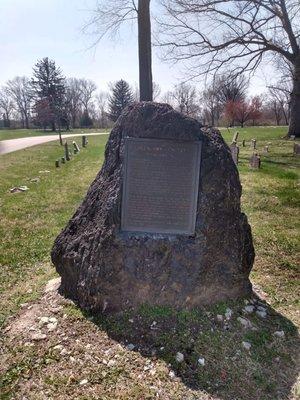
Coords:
10,145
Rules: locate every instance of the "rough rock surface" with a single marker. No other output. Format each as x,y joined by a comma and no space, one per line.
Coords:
103,268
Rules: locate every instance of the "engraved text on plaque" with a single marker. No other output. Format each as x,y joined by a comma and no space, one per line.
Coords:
160,185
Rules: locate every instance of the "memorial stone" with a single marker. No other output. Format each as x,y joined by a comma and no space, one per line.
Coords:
297,149
76,147
84,141
235,137
234,148
255,161
161,223
253,141
67,154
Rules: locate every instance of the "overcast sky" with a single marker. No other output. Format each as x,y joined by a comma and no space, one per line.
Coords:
33,29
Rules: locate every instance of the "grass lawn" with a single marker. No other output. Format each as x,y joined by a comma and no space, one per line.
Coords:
30,221
20,133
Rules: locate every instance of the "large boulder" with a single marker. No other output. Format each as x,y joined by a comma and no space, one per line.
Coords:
103,268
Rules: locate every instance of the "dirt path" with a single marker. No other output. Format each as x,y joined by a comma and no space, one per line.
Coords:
62,355
52,350
10,145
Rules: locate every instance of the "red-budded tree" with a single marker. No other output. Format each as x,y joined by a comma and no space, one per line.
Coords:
242,111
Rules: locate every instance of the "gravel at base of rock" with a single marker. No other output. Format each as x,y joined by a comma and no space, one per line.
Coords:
105,269
246,345
179,357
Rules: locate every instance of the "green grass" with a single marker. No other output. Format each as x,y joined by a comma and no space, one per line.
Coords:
31,220
6,134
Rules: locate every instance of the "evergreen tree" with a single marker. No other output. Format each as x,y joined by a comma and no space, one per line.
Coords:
49,88
121,97
86,121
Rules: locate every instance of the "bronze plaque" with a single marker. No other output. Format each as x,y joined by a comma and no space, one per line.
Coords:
160,186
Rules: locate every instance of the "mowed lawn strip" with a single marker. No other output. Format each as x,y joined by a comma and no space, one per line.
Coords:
6,134
30,221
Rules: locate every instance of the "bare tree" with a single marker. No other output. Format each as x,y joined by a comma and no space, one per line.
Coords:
101,101
86,88
274,108
216,34
231,87
6,105
20,91
280,98
212,106
73,100
185,97
108,17
168,98
156,91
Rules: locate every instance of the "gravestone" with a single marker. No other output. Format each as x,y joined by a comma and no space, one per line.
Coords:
76,147
235,137
297,149
161,223
253,142
67,154
266,149
243,143
255,161
84,141
234,148
57,163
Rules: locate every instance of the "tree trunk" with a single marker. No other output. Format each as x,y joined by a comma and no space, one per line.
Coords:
294,127
144,38
26,121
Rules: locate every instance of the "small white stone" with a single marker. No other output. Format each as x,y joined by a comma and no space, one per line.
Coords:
261,314
72,359
130,346
52,319
201,361
38,336
279,334
153,325
246,345
228,313
172,375
220,318
83,382
43,321
179,357
131,320
58,347
111,363
249,309
64,352
261,308
245,322
52,326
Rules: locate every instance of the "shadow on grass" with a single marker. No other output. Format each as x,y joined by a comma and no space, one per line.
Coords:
267,371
